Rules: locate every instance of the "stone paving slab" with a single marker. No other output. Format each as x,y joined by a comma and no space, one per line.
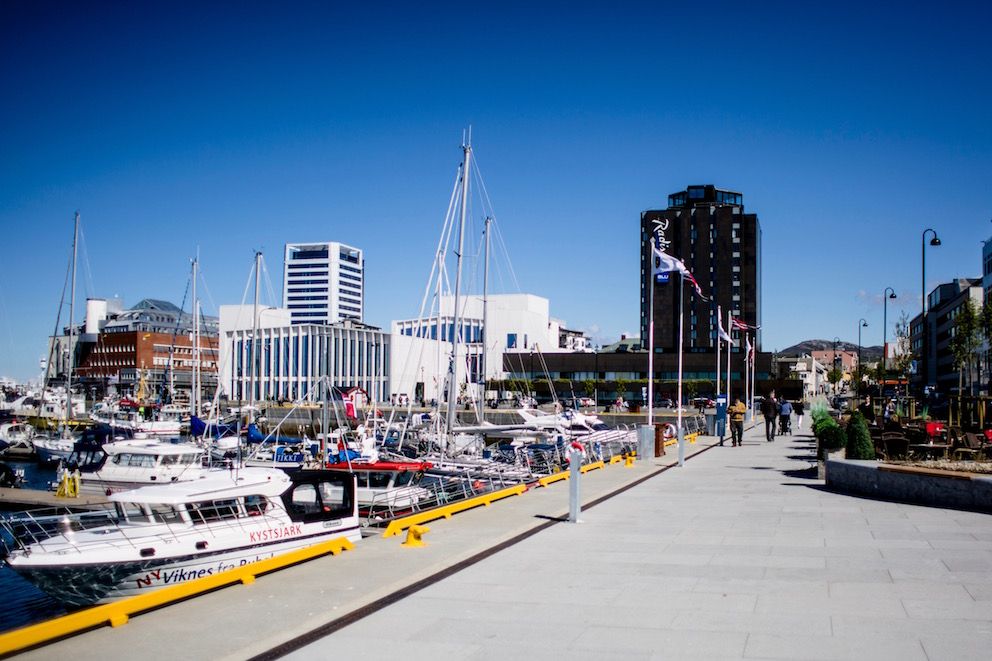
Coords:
742,554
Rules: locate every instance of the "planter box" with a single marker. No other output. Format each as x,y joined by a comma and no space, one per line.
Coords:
907,484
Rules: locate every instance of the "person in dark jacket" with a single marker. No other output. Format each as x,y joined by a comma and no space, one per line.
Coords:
798,408
769,409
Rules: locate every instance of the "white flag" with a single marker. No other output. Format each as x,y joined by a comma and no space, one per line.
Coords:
747,354
722,334
663,262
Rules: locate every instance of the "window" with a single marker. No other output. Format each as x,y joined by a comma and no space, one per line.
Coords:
511,340
215,510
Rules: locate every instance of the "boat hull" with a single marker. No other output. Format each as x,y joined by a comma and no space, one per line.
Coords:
94,583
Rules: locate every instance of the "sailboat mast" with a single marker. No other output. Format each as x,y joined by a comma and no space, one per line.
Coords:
72,321
254,334
195,389
485,320
453,384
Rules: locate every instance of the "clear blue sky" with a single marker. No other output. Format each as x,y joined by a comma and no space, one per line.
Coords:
234,126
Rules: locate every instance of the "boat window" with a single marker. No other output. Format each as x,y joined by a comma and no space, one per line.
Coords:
130,512
304,499
403,478
166,513
169,460
363,480
379,480
135,460
332,497
256,505
215,510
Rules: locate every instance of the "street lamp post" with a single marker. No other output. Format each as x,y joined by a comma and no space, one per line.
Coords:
861,324
886,295
836,341
935,241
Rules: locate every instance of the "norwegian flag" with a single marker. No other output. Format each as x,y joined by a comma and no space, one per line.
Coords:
740,325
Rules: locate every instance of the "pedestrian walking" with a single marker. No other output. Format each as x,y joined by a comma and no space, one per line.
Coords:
785,417
769,409
737,412
798,408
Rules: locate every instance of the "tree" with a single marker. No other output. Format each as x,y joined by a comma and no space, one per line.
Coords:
965,342
835,376
621,388
589,386
903,359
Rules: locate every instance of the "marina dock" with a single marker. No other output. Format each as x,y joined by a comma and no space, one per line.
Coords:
740,554
17,499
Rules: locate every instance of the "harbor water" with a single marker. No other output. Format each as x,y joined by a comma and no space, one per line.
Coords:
23,602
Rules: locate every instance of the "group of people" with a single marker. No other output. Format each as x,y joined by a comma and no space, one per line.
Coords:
777,413
780,411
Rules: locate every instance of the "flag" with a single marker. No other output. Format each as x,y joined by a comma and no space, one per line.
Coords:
740,325
747,344
722,334
663,262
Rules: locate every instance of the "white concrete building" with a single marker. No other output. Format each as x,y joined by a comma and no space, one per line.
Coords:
323,283
291,357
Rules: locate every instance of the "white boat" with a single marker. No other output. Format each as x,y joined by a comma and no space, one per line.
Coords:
170,534
121,465
17,436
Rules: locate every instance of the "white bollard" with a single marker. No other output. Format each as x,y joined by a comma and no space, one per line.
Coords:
574,466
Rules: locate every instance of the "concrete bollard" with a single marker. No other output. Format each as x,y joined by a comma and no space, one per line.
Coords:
574,476
645,442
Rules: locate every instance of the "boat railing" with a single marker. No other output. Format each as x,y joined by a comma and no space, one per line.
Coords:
17,531
434,491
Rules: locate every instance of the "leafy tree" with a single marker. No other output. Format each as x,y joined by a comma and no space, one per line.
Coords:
835,376
966,341
589,386
621,388
903,359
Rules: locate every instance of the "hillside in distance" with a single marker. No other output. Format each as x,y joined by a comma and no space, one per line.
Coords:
806,346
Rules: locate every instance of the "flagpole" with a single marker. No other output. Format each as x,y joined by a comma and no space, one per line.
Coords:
719,341
681,329
747,362
730,326
754,379
651,352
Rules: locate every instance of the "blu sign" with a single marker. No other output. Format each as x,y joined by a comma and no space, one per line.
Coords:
662,278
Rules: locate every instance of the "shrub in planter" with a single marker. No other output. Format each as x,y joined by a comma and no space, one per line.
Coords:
859,445
833,438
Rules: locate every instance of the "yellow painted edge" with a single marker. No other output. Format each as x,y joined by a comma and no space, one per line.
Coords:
615,459
591,467
117,613
554,477
397,526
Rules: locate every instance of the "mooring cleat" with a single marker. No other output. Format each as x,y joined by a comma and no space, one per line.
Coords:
414,535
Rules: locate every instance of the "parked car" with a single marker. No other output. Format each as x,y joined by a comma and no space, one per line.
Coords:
665,403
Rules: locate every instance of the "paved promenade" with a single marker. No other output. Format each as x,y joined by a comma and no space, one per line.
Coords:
740,554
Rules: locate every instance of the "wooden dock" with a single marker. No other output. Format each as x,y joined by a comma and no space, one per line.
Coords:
18,499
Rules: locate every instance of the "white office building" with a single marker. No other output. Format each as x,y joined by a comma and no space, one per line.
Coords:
323,283
291,358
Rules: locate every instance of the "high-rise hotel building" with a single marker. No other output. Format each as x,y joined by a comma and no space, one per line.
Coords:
707,229
323,283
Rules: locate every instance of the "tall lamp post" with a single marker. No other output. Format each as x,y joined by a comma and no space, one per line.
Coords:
886,295
861,324
836,341
935,241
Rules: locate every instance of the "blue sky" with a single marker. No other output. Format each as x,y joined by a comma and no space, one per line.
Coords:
240,126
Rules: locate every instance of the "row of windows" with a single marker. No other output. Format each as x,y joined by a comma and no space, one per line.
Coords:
310,274
307,298
307,282
308,306
306,290
349,308
349,276
302,266
350,268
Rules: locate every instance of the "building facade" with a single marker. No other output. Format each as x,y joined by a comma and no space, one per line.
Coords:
150,343
323,283
708,229
943,306
286,360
